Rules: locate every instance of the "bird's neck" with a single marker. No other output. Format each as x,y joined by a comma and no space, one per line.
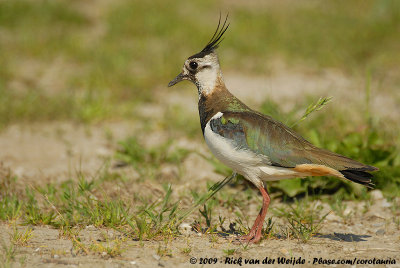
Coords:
218,99
209,81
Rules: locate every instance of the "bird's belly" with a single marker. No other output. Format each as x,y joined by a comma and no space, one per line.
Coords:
225,150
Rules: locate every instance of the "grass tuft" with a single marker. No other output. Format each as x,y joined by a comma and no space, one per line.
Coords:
21,239
304,220
7,254
313,108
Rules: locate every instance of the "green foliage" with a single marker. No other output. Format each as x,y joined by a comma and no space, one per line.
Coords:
10,207
33,213
345,35
147,161
156,219
229,252
272,109
200,200
267,231
21,238
45,12
304,219
75,204
339,207
7,254
292,187
164,206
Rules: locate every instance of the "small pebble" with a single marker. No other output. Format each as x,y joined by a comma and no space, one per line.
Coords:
333,217
90,227
385,204
156,257
102,151
185,228
284,251
379,224
380,232
347,211
376,195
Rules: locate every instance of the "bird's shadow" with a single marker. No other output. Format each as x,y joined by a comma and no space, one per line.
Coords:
344,237
348,237
196,227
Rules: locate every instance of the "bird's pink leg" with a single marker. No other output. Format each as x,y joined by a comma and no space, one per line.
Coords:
253,229
254,235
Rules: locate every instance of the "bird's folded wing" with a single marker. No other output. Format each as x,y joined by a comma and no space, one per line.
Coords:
283,147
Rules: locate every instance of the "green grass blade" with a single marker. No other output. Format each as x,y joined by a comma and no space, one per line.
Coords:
313,108
205,197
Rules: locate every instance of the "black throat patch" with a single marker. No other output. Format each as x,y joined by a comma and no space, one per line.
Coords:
204,114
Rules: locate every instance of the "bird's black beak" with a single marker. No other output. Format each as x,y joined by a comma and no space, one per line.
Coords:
177,79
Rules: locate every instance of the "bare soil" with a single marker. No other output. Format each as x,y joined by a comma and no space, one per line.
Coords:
373,235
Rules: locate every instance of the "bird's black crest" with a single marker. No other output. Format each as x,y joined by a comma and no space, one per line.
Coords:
215,39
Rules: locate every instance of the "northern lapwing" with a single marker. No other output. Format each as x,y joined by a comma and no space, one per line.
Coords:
253,144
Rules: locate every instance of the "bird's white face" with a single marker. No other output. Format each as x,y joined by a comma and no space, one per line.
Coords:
203,68
202,71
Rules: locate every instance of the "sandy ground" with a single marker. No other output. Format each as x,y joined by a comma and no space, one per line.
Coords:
56,151
373,235
53,152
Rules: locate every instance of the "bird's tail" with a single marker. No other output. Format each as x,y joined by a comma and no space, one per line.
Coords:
360,176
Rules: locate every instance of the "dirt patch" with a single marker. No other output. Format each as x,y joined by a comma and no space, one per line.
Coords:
56,151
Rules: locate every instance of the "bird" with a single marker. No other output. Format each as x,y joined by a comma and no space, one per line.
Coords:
253,144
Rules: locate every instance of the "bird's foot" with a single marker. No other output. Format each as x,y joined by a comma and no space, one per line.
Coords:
252,237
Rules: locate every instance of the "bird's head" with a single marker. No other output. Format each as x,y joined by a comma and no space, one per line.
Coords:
203,68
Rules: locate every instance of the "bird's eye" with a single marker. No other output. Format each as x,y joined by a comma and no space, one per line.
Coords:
193,65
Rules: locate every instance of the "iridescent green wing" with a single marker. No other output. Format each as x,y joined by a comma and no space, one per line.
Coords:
272,139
